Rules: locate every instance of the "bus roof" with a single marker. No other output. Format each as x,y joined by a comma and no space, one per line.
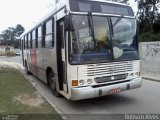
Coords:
58,6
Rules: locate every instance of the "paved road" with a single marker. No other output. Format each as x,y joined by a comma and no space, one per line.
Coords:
16,59
143,100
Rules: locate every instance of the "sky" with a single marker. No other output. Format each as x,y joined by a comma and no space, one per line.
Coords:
27,12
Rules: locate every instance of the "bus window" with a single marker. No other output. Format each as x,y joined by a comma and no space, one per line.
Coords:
48,36
33,39
40,37
52,32
84,7
20,44
36,32
43,34
28,41
25,42
24,45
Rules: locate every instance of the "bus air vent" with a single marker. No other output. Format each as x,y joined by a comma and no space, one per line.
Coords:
107,69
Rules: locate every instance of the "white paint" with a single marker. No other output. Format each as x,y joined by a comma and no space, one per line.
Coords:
150,56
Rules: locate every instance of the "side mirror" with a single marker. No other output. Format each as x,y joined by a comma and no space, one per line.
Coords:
66,22
68,26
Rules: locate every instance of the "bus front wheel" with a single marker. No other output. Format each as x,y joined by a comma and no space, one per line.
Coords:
52,84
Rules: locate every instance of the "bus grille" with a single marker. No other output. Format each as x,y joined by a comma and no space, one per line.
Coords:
111,78
110,68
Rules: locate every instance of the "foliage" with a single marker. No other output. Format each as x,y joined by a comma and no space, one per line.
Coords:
19,30
147,37
11,34
147,14
156,25
148,20
11,53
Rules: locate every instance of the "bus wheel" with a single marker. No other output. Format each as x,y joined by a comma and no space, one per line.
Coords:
26,69
52,84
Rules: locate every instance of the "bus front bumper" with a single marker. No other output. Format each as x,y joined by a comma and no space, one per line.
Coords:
92,92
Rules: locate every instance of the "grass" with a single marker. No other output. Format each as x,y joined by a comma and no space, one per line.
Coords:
18,96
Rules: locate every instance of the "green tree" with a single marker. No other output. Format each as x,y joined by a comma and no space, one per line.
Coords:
10,35
19,29
156,25
147,14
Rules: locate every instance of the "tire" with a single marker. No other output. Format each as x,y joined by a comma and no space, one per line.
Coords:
52,84
26,69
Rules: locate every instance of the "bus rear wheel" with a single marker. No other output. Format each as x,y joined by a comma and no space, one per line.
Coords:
26,69
52,84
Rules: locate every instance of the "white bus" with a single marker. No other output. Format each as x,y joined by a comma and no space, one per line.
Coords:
84,49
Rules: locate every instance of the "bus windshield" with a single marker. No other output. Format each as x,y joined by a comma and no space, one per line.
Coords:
124,39
92,41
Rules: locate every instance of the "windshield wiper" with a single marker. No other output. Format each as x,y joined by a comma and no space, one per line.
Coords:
90,22
113,24
117,21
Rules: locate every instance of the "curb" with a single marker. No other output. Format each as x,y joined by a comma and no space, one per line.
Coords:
151,79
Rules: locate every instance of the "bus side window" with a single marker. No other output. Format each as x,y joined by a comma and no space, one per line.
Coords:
31,40
24,44
48,35
52,32
43,34
20,44
34,39
40,37
26,41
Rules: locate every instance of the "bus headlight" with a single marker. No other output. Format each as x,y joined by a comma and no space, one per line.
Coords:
134,75
131,75
81,82
89,81
137,74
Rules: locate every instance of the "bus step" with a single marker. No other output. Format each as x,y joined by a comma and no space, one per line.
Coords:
64,94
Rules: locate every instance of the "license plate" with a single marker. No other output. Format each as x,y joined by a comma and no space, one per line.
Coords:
115,90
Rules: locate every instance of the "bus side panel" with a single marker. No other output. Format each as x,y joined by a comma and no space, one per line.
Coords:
26,58
40,64
28,52
34,62
50,59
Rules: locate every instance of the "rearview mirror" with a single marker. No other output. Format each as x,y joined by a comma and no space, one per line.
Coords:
67,23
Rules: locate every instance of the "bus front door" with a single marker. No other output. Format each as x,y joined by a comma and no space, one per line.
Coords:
61,56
